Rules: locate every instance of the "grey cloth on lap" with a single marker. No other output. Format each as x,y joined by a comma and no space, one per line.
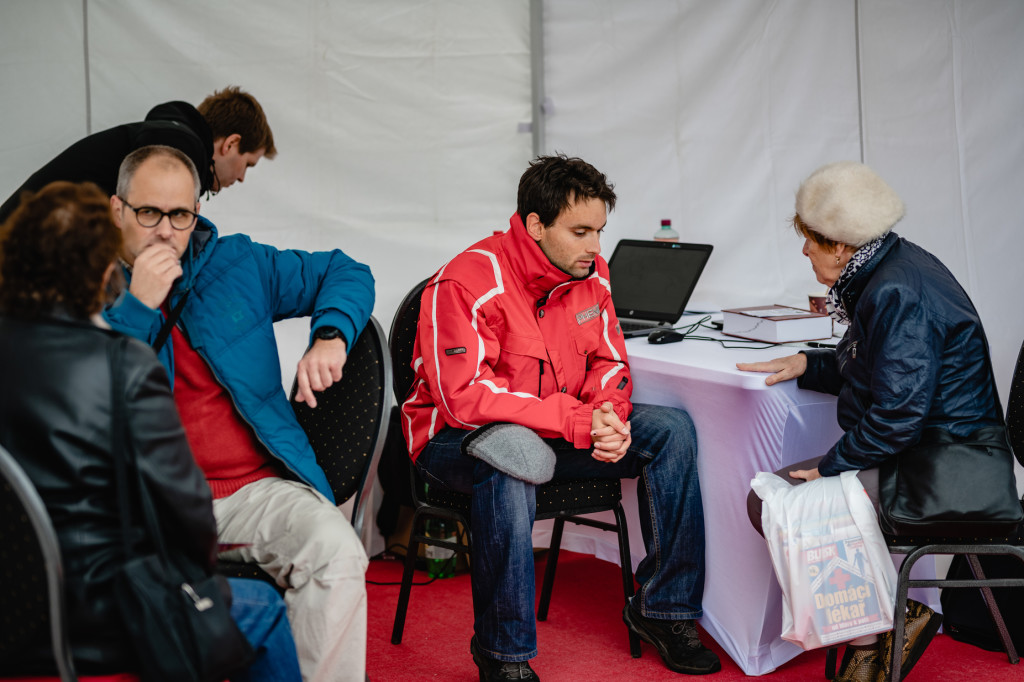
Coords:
513,449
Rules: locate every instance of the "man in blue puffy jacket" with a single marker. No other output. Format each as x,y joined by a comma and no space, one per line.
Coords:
271,500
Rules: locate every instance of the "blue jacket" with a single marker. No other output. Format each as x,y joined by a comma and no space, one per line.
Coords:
914,357
239,288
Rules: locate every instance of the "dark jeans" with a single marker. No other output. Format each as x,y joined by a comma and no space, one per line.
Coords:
663,453
260,614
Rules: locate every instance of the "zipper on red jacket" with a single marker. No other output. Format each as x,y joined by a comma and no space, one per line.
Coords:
540,377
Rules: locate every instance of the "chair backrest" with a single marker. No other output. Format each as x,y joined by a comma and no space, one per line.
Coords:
401,342
402,339
31,570
348,426
1015,409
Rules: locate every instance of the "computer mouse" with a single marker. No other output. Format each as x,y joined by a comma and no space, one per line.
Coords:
664,336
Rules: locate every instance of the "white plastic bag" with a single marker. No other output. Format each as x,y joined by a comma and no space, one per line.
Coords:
838,581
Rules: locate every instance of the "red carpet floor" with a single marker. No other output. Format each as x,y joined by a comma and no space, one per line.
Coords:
584,638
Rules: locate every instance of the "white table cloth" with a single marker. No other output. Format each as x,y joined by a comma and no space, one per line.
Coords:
743,426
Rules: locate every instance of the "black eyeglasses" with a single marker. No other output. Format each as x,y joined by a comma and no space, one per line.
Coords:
150,216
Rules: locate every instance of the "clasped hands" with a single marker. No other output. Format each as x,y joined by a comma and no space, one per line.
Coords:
610,436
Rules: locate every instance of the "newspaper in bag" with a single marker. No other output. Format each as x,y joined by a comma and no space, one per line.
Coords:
838,581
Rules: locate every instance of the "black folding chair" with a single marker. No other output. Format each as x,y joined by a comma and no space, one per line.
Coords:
32,588
916,548
563,501
347,429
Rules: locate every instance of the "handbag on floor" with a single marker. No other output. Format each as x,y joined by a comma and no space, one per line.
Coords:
178,614
966,618
838,581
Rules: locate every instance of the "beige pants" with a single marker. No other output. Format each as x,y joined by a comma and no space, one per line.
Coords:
297,536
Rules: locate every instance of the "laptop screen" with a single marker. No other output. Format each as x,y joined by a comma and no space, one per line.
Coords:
654,280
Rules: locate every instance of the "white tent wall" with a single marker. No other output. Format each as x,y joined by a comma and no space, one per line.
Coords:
399,123
712,113
42,71
943,98
709,114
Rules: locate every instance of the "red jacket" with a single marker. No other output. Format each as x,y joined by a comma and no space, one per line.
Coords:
505,336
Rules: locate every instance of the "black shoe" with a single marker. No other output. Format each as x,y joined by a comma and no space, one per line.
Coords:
676,641
490,669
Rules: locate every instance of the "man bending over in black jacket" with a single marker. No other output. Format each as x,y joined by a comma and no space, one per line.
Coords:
225,136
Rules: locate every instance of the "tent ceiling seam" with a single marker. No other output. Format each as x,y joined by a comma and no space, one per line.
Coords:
860,88
85,62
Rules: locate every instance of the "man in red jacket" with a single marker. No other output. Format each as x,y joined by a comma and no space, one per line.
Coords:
522,378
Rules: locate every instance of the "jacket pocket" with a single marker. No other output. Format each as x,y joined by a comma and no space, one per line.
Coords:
849,351
520,363
524,345
587,338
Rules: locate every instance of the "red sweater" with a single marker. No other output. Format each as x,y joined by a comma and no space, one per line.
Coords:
223,444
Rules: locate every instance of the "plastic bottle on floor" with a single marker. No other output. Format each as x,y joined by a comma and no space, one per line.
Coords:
440,560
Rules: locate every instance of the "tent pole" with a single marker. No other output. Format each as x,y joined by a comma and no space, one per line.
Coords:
537,75
85,62
860,84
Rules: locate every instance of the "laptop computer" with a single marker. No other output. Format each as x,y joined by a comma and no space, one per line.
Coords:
652,282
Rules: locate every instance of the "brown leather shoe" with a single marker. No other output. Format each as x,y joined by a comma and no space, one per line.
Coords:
860,664
921,625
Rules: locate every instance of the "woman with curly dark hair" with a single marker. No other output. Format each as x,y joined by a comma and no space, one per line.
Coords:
58,258
57,253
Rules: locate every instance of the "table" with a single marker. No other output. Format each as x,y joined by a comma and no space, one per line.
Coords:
743,426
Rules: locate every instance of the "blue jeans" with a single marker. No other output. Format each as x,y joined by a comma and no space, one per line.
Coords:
260,614
663,454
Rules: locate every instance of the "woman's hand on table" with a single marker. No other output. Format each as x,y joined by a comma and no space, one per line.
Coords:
782,369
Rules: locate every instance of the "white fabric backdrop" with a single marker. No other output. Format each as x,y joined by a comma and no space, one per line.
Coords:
712,113
398,123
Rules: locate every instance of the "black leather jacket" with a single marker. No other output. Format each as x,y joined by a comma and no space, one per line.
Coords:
915,356
55,418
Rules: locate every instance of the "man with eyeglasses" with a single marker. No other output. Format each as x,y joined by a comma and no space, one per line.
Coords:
224,136
207,304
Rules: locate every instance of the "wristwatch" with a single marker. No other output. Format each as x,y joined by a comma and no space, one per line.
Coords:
327,333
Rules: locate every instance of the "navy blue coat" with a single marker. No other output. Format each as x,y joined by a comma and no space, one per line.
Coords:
915,356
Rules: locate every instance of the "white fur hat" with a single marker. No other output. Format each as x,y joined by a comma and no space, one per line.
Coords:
847,202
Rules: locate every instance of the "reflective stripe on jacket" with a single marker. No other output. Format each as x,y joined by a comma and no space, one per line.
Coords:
506,336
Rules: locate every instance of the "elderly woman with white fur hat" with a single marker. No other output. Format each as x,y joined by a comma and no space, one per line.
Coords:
914,357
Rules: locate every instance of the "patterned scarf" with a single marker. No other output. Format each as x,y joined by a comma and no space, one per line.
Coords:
833,302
